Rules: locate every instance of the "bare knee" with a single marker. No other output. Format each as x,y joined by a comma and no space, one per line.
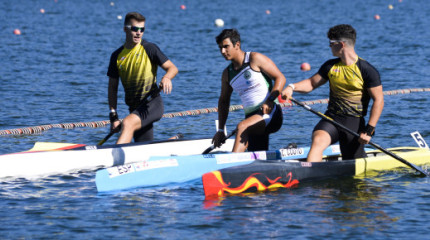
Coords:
252,125
320,141
242,126
131,123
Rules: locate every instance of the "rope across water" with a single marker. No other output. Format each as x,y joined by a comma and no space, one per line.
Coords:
103,123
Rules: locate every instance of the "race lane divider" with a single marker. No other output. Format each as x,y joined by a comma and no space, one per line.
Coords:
96,124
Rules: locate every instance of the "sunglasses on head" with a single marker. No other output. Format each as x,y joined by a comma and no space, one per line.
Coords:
135,29
332,42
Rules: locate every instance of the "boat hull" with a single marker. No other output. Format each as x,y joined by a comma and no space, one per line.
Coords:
66,158
179,169
266,175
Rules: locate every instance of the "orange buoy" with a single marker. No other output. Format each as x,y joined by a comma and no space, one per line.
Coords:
305,67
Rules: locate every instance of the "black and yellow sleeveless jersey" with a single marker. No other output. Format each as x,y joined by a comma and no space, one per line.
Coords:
137,68
348,86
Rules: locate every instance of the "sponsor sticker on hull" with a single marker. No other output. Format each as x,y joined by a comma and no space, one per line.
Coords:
141,166
241,157
306,164
287,152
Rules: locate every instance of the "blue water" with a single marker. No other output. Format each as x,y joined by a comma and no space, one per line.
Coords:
55,72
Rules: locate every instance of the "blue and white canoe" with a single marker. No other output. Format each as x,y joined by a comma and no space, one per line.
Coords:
157,171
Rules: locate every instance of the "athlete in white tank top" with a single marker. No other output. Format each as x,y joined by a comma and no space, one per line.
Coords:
251,75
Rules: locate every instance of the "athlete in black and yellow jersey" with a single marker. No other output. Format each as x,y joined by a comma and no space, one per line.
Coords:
353,82
136,63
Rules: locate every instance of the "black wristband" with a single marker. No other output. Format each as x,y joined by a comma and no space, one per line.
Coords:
369,130
113,116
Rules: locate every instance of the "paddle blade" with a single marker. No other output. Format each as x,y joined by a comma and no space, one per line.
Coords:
209,149
101,142
105,139
177,136
404,161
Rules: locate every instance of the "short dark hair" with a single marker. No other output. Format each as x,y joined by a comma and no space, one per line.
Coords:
133,15
233,34
342,32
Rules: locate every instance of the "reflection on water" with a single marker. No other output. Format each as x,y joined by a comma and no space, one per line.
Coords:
352,203
345,204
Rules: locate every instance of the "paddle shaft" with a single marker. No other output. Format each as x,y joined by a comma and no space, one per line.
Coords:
422,171
106,138
209,149
177,136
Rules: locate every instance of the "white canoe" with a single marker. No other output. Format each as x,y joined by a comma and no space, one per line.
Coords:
61,158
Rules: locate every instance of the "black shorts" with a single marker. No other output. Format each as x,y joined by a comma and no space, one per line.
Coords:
148,112
261,142
349,145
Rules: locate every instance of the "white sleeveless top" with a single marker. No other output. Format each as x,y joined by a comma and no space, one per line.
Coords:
253,87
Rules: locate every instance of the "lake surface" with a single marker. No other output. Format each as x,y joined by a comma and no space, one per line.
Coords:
55,72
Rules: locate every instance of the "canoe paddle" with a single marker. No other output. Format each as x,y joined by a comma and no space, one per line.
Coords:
177,136
422,171
106,138
209,149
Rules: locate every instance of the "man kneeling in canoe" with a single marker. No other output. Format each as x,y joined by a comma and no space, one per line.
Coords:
353,82
250,74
